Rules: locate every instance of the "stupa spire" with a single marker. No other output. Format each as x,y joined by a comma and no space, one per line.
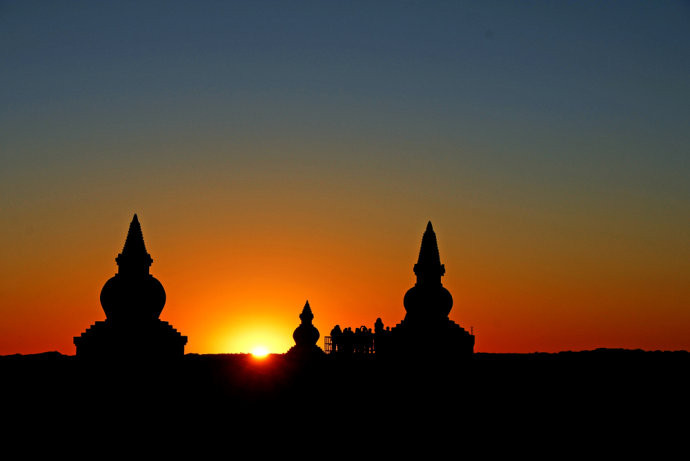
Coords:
134,244
428,253
134,257
429,267
306,316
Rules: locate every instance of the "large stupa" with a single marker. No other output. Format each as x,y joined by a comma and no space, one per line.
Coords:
132,301
426,328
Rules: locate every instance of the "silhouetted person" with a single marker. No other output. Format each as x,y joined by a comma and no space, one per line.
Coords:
348,341
336,339
359,340
378,325
381,337
368,341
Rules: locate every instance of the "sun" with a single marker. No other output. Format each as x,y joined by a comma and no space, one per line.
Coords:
260,352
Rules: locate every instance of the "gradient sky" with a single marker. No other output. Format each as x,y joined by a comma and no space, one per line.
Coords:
282,151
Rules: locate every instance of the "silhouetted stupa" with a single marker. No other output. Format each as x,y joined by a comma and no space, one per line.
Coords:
305,335
132,300
426,328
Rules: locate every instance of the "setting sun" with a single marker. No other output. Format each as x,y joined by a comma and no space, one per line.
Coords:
257,334
260,352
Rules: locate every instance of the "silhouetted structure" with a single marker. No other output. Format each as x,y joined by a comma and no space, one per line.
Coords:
305,335
426,328
132,300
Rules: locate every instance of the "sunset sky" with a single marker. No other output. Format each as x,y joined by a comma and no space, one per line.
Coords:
282,151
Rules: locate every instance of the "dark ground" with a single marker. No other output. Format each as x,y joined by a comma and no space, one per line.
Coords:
570,401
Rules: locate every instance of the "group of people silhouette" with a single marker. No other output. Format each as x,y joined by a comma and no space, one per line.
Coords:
360,341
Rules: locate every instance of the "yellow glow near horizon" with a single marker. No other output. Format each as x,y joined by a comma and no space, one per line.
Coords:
255,338
260,352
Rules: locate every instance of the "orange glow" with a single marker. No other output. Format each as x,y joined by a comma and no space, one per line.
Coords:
231,287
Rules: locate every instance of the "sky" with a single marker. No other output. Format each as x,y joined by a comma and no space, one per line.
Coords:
278,152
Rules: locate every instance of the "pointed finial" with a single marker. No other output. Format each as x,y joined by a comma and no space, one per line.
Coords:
134,244
429,265
306,316
428,253
134,252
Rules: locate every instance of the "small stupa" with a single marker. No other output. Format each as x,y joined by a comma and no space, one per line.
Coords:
426,328
132,301
305,335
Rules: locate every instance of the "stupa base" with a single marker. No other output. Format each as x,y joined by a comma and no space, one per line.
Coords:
445,339
151,339
305,353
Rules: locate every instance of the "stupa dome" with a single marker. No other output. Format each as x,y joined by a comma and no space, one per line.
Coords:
132,298
306,334
133,293
428,302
